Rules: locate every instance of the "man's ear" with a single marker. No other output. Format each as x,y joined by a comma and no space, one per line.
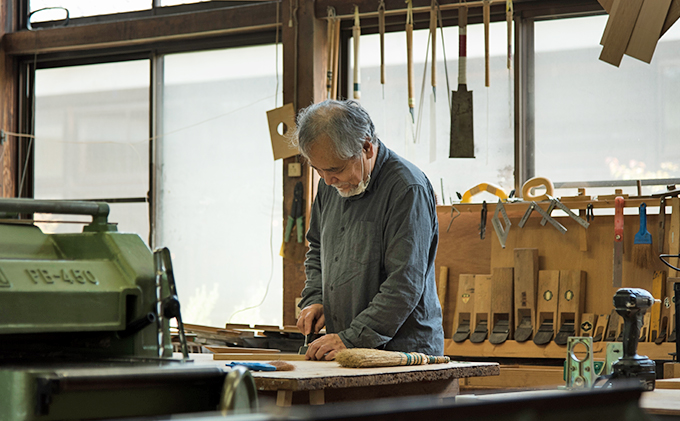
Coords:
369,149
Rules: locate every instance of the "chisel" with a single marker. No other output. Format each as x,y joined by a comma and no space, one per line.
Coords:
618,242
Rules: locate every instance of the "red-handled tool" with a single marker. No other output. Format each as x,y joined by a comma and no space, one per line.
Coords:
618,242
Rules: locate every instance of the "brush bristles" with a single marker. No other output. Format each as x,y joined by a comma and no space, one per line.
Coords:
363,357
643,255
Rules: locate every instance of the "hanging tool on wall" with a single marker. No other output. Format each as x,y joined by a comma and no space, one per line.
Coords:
296,217
662,224
356,34
462,134
642,243
332,54
501,229
617,269
509,11
381,29
482,223
554,203
433,35
409,59
486,13
533,206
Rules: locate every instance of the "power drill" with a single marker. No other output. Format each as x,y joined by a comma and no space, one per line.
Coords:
632,304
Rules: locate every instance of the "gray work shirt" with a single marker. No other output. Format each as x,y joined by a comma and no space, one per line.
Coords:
371,260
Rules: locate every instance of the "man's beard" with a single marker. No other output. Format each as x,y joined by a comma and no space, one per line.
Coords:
356,190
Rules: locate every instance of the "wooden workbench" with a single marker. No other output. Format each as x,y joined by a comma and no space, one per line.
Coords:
317,382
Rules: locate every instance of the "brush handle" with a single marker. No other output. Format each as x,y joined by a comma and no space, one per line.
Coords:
643,219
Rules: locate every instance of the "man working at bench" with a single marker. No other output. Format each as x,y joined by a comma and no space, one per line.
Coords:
372,240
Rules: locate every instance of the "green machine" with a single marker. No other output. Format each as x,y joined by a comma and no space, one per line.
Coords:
84,325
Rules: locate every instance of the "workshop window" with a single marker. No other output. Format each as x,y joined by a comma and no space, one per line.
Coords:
426,142
595,121
80,8
221,198
92,137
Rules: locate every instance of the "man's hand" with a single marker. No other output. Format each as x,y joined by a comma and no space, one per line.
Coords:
311,319
325,347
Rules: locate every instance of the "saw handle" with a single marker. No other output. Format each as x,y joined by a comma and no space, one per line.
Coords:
618,219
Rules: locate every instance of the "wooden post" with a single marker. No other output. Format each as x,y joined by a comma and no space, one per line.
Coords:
9,78
304,47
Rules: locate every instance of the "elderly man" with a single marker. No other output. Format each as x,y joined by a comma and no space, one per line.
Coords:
372,240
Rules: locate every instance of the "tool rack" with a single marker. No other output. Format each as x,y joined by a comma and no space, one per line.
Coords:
462,252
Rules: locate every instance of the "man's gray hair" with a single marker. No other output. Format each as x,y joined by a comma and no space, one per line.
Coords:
346,123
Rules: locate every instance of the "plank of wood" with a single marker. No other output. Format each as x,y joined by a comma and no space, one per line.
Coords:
669,301
514,349
517,377
587,326
442,286
315,375
259,357
672,17
670,371
482,300
618,31
462,251
658,292
219,349
465,302
647,29
601,326
501,298
571,303
548,297
526,283
674,236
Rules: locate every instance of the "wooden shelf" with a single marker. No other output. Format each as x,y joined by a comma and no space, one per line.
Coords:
512,349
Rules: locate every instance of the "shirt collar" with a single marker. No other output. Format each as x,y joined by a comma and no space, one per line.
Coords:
380,159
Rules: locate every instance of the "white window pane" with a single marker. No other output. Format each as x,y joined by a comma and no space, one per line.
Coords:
595,121
92,130
80,8
221,196
492,106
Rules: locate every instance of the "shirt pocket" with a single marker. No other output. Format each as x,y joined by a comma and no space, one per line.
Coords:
364,243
